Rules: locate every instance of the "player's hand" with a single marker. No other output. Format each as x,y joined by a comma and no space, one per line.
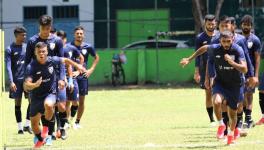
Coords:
88,72
80,68
228,58
13,87
252,82
197,77
75,74
207,83
184,62
61,84
38,82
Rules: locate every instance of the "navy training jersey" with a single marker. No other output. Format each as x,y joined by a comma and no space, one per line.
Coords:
36,70
55,48
202,39
72,53
253,44
15,61
85,49
241,41
225,74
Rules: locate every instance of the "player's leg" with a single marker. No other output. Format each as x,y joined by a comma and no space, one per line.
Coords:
261,100
232,114
62,112
83,90
217,101
248,119
209,105
38,139
27,127
18,115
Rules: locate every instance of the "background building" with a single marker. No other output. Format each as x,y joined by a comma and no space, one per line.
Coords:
66,13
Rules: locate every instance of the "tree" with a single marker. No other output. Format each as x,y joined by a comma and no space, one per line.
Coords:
199,10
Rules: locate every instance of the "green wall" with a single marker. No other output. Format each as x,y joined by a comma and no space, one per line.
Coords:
142,66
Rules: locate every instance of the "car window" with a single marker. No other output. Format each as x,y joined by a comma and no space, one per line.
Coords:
167,45
138,46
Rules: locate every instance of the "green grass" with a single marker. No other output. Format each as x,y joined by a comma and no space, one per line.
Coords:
137,119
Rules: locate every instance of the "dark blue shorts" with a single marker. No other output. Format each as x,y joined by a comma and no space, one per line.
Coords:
37,103
74,96
83,86
261,83
19,91
61,94
232,95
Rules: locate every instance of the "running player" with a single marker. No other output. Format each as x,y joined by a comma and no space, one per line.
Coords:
40,80
55,48
227,60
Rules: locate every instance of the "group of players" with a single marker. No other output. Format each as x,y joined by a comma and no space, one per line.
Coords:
227,67
53,74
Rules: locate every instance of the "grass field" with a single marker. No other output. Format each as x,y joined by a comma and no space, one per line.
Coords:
137,119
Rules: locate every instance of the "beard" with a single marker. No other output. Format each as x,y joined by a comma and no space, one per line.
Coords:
210,30
246,31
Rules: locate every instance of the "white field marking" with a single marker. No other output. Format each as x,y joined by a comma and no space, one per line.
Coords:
147,145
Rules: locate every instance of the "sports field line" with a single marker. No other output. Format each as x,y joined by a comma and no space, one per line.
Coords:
147,146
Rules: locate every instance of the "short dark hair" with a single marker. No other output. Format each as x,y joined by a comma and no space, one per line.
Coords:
62,34
78,28
247,19
209,17
45,20
40,45
53,30
19,29
232,20
224,19
226,34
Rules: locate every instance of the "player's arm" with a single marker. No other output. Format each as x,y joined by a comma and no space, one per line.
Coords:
242,65
91,69
200,51
68,61
29,53
29,85
250,68
196,75
257,61
9,69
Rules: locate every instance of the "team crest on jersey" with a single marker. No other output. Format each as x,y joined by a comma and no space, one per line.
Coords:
250,44
205,42
70,53
52,46
15,53
50,70
84,51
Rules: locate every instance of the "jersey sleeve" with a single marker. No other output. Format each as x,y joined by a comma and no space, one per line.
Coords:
250,67
241,55
28,72
91,50
56,60
29,52
8,64
257,45
66,52
61,54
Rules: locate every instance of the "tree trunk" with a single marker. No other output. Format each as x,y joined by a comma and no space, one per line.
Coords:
198,10
218,8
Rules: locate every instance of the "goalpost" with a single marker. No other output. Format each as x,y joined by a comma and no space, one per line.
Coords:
2,64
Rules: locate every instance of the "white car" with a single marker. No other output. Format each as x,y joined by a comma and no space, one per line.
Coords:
157,44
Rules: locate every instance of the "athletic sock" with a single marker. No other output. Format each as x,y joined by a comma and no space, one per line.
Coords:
73,110
225,119
28,112
261,102
18,114
210,111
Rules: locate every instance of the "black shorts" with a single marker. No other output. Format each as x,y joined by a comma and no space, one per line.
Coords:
37,103
18,93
